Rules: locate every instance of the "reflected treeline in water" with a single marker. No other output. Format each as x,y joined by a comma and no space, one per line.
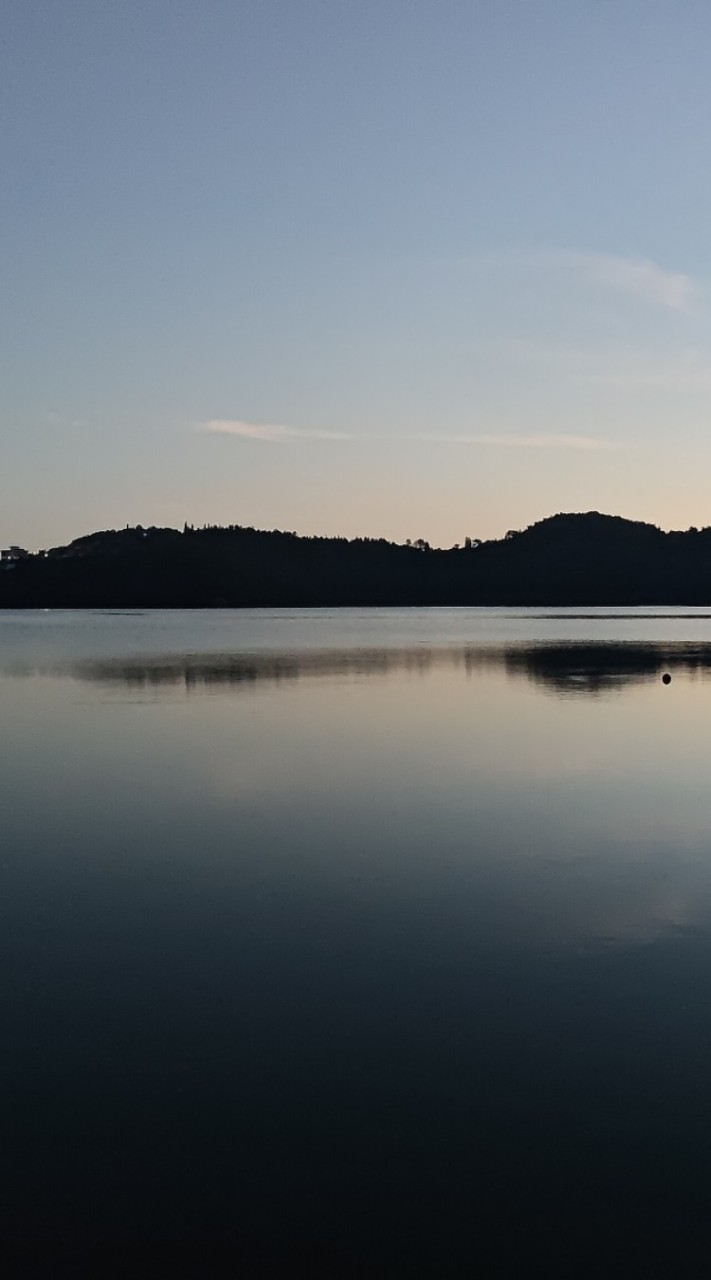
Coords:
194,671
567,669
601,668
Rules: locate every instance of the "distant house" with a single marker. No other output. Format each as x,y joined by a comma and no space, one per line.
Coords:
9,555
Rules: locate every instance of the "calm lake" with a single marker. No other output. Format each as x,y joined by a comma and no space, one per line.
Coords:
357,942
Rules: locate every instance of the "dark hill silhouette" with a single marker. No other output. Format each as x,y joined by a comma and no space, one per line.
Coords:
567,559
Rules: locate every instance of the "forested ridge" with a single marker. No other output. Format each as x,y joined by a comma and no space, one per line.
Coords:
566,559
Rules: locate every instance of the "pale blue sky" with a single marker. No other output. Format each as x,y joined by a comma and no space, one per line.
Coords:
410,269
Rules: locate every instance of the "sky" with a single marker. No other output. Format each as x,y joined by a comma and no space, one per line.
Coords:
423,269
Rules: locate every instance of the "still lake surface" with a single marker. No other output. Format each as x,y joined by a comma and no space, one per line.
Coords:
366,942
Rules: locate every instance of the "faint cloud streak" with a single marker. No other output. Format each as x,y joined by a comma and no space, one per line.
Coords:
269,432
640,277
273,434
526,441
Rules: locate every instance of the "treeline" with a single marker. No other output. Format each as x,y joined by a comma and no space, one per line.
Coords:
587,559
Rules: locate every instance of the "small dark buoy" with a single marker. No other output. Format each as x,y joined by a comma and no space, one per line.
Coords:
666,678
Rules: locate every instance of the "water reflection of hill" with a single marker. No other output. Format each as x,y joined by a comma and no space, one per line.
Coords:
573,669
600,668
196,670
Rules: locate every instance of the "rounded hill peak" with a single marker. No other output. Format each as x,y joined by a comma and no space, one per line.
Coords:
588,526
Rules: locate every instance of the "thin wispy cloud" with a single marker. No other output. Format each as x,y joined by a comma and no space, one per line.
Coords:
639,278
552,441
276,434
271,433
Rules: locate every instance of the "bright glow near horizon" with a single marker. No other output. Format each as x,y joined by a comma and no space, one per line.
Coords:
414,270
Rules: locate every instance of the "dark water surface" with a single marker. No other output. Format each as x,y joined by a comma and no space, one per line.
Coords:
361,943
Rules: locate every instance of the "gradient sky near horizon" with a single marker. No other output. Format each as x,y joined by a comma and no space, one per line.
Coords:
413,269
